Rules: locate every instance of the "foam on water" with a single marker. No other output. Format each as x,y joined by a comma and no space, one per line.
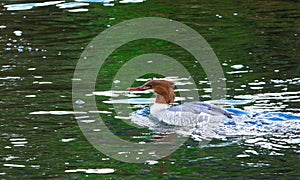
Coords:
274,131
261,114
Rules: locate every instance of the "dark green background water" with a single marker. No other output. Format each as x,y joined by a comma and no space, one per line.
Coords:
36,70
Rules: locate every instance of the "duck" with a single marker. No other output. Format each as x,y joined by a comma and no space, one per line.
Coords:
189,114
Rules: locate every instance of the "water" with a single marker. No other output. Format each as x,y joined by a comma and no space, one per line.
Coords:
257,44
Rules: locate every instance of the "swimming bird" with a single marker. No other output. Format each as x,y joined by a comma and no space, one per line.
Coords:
189,114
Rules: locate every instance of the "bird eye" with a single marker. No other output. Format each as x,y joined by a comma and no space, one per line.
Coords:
149,85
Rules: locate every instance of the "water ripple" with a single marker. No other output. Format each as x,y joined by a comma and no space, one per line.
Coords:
92,171
67,5
27,6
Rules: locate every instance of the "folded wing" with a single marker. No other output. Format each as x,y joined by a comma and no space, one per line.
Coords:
198,107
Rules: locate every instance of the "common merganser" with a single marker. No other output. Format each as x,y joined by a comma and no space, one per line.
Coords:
188,114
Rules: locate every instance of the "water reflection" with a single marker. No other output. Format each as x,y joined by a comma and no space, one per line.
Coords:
17,142
56,112
14,165
67,5
27,6
92,171
275,145
71,5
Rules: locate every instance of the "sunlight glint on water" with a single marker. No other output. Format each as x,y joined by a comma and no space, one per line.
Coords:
256,43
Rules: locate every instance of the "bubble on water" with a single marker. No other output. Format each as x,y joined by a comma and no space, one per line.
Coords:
219,16
21,49
18,33
67,140
79,102
238,66
117,81
151,162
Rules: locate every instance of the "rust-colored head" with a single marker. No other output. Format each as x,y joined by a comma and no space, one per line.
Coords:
164,90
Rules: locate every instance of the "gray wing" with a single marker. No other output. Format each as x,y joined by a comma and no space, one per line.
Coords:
198,107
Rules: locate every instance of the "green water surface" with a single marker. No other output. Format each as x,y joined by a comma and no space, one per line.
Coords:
37,66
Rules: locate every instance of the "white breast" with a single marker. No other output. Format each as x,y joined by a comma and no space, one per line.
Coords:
157,108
